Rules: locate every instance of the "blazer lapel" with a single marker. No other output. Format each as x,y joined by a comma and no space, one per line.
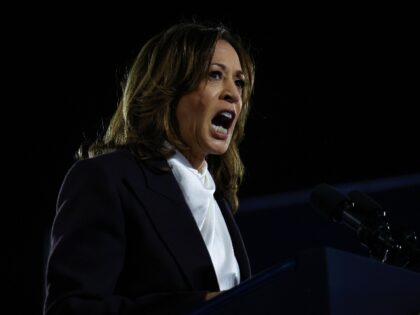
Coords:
175,223
237,242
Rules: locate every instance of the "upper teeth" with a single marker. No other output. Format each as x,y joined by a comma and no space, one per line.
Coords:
227,114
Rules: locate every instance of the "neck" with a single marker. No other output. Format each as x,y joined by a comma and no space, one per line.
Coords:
197,161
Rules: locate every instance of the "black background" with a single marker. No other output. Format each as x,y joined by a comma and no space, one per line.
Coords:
335,100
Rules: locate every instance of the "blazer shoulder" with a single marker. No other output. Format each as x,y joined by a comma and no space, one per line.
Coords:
108,167
117,157
106,161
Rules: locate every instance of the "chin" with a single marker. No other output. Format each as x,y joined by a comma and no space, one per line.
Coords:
219,149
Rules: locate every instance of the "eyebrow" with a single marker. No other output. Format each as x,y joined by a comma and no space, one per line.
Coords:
221,65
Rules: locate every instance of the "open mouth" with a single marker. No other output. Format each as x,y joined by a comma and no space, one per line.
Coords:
222,121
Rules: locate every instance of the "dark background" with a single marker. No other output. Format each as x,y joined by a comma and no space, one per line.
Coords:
335,101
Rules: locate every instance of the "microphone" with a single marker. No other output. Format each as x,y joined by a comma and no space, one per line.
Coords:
334,205
361,215
368,219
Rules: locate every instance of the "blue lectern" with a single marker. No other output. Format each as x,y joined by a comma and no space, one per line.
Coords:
323,281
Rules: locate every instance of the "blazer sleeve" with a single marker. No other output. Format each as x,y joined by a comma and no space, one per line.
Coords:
87,252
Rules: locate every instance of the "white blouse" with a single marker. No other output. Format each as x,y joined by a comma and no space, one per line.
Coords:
198,188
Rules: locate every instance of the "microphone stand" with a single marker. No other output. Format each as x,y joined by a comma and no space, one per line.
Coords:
369,220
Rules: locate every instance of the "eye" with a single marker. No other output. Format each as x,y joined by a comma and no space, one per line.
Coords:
240,83
215,75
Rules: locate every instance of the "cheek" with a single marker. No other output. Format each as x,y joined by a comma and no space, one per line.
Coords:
183,112
187,122
240,105
191,112
184,123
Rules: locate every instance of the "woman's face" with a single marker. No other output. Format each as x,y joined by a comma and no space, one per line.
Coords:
207,116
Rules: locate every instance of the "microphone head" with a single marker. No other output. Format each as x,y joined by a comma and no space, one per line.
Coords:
329,201
366,206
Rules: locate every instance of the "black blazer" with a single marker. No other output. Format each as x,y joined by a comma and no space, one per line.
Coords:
125,242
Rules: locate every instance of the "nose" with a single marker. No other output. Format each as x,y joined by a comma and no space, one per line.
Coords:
231,92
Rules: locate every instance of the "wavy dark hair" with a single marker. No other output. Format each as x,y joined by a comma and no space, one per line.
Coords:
170,65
